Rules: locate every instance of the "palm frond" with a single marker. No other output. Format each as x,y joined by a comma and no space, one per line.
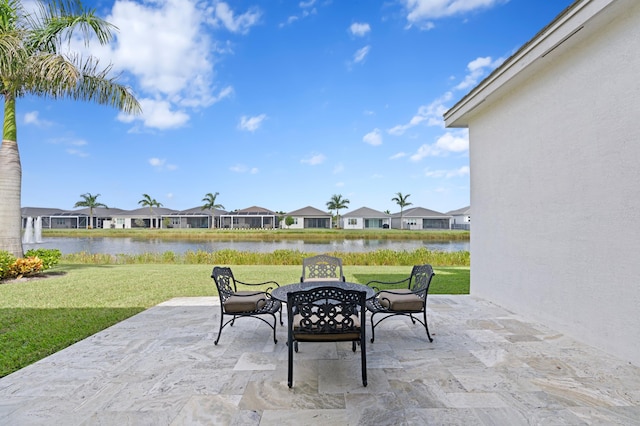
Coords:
59,20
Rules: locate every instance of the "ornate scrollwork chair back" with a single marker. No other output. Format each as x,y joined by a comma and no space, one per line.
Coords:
326,314
322,268
236,303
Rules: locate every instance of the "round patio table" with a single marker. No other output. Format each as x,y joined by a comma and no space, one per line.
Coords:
280,293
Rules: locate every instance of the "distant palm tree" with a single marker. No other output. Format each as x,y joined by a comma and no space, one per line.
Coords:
401,200
210,204
336,203
35,61
151,203
89,200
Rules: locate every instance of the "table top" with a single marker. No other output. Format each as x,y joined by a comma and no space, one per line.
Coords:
280,293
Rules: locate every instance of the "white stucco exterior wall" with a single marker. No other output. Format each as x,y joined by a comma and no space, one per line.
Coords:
555,186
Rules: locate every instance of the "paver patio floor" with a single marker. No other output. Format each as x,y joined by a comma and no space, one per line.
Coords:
486,366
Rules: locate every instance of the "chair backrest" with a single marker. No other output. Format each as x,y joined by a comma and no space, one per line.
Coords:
421,276
322,268
326,311
225,282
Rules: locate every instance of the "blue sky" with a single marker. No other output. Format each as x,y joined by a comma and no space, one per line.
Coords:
277,103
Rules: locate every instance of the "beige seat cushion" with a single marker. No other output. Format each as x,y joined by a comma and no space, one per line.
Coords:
245,301
407,301
325,337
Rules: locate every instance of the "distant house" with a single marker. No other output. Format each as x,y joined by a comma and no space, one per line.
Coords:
54,218
365,218
139,218
309,217
461,218
102,217
250,218
195,217
555,177
420,218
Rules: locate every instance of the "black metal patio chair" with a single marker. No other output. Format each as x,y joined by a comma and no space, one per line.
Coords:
402,301
244,303
326,314
322,268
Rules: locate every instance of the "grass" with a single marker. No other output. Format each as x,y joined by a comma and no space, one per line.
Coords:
39,317
278,257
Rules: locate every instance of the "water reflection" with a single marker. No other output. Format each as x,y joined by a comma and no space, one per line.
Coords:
137,246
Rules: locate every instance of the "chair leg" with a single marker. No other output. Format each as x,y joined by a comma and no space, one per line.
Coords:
373,329
220,330
275,322
290,363
426,326
353,346
363,361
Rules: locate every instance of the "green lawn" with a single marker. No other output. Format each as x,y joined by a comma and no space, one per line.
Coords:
42,316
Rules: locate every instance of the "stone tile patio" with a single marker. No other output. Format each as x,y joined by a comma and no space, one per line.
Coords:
486,366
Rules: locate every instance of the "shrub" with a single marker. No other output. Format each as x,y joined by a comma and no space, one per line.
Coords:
25,267
6,260
49,257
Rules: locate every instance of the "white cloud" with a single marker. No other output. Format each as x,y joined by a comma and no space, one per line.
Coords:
238,168
456,141
339,184
339,168
359,29
157,114
425,151
236,23
361,54
398,155
251,124
161,164
166,52
460,172
74,145
241,168
478,68
307,10
77,153
431,113
420,12
373,138
314,160
33,117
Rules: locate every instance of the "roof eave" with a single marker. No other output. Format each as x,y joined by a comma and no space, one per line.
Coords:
564,26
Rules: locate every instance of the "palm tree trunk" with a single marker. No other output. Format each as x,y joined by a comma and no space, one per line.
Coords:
10,184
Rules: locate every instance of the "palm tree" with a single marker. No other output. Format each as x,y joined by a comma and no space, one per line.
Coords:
90,201
210,204
336,203
401,200
151,203
33,62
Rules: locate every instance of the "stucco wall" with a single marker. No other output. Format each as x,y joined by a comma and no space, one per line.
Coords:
555,189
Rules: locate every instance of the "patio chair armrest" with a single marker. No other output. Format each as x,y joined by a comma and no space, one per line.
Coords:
267,290
377,289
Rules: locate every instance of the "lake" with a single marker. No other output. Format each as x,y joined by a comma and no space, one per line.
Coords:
133,246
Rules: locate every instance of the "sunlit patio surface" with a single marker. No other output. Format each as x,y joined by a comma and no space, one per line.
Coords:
485,366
